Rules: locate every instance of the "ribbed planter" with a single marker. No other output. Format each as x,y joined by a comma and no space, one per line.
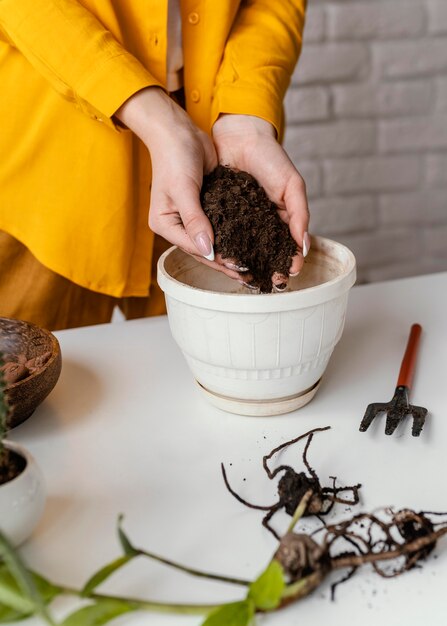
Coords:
258,354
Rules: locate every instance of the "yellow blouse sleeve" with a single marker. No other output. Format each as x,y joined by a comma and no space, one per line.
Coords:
75,53
259,58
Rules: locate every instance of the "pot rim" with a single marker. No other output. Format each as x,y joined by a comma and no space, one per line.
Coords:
261,303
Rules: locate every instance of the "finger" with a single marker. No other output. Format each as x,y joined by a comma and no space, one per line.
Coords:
293,211
253,288
296,265
167,223
279,281
235,267
220,268
295,199
297,259
170,227
232,269
194,220
231,264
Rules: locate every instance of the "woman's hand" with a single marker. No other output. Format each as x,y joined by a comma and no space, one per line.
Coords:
180,154
249,143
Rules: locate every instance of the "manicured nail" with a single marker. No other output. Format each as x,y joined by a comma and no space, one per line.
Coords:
294,274
236,268
306,244
204,246
252,287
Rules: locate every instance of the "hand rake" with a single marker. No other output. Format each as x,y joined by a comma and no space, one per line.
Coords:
399,407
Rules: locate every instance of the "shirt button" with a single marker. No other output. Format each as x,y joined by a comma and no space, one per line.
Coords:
193,18
195,95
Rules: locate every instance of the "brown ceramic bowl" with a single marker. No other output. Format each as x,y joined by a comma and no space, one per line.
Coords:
23,338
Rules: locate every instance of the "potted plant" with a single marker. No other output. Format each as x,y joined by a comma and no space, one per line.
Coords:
22,492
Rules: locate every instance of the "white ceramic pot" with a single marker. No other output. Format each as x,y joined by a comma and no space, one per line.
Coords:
258,354
22,499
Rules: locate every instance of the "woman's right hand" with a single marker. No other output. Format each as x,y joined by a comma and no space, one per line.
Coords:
180,154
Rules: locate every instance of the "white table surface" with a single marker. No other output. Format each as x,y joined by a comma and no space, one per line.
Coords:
125,430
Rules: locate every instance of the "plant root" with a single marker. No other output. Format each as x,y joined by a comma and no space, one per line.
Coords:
292,487
393,542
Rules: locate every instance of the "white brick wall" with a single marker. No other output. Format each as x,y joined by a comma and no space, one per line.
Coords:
441,97
436,170
375,20
310,104
367,127
437,17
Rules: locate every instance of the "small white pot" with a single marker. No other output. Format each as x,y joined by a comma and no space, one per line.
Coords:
258,354
22,499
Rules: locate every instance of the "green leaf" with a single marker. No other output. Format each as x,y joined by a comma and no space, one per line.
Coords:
29,591
104,573
266,590
11,596
13,603
102,612
124,541
234,614
47,590
8,615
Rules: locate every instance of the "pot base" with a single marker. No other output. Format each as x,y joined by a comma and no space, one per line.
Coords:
260,408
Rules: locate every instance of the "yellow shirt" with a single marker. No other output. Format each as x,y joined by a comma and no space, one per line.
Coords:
74,188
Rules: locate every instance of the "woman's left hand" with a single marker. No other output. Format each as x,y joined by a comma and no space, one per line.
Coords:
249,143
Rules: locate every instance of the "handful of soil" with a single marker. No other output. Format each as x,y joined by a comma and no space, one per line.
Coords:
247,227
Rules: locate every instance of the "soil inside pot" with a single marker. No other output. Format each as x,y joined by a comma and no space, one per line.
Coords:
11,465
247,228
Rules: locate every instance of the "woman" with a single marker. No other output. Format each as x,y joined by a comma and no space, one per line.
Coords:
93,134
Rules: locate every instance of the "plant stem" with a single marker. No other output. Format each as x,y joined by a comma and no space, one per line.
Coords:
291,591
300,588
148,605
194,572
299,511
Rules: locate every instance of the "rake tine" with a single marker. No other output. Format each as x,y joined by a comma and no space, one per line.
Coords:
371,411
419,413
393,420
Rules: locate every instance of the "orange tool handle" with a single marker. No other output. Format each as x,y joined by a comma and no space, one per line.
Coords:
409,361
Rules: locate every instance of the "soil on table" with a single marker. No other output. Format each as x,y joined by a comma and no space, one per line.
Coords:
247,228
11,465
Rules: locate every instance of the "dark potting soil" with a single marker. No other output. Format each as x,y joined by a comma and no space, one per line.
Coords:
247,228
11,465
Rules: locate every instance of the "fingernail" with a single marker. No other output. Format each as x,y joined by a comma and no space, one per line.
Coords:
252,287
204,246
293,274
281,287
306,244
236,268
